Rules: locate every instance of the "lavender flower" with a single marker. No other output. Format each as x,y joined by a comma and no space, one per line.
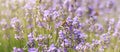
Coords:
59,25
3,22
61,34
40,38
105,39
79,11
75,21
17,49
79,47
14,21
52,48
30,42
66,4
66,43
32,50
69,19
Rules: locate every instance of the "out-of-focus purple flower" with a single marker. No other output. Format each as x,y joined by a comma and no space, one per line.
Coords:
79,37
117,28
13,21
79,47
95,42
75,20
57,3
78,3
79,34
115,34
71,8
61,34
92,28
105,38
66,4
66,43
46,13
83,47
30,26
101,49
5,27
65,50
3,22
14,49
79,11
94,18
40,24
32,1
88,45
111,21
32,50
99,28
27,6
90,10
40,38
83,35
55,15
30,42
52,48
69,19
110,4
30,37
17,49
18,37
111,25
76,32
97,3
58,24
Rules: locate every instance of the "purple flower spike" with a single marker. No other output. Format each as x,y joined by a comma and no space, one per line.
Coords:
69,19
52,48
66,43
61,34
75,21
30,37
17,49
32,50
79,11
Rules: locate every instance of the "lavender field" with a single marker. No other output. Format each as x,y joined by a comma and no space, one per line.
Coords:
59,26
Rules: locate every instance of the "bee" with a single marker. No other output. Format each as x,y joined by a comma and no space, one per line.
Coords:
96,12
40,1
63,23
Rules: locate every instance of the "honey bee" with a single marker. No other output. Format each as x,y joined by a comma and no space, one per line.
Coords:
96,12
39,1
63,23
